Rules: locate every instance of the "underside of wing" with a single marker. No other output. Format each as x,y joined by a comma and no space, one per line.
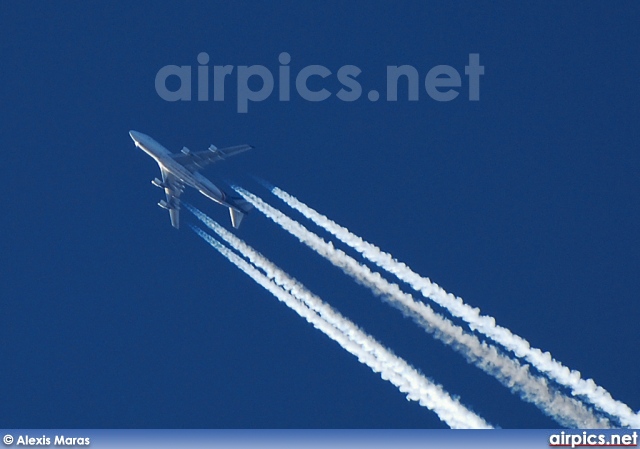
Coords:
200,159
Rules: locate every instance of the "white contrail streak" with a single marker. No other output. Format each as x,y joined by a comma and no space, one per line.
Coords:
543,361
364,347
567,411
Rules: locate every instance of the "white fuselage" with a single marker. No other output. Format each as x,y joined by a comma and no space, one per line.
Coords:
165,160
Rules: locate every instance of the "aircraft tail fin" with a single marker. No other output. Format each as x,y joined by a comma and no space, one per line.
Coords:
239,208
236,217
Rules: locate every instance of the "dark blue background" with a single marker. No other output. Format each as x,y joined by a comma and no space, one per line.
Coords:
524,203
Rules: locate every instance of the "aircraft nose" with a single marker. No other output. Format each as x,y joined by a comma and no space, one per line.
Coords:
135,135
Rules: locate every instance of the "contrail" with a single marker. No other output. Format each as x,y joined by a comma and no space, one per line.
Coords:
365,348
567,411
484,324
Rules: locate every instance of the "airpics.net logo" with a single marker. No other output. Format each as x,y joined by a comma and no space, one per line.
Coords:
256,83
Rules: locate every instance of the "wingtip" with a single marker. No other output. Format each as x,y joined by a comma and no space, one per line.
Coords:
266,184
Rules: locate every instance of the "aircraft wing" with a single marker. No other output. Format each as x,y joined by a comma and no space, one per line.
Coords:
198,160
173,187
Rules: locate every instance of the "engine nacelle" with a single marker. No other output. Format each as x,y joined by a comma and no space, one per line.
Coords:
163,204
185,150
156,182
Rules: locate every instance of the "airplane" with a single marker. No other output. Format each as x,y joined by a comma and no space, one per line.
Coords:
182,169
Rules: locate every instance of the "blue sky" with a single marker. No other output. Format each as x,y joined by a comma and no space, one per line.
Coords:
524,203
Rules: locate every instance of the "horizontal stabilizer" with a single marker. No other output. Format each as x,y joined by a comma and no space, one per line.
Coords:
240,203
